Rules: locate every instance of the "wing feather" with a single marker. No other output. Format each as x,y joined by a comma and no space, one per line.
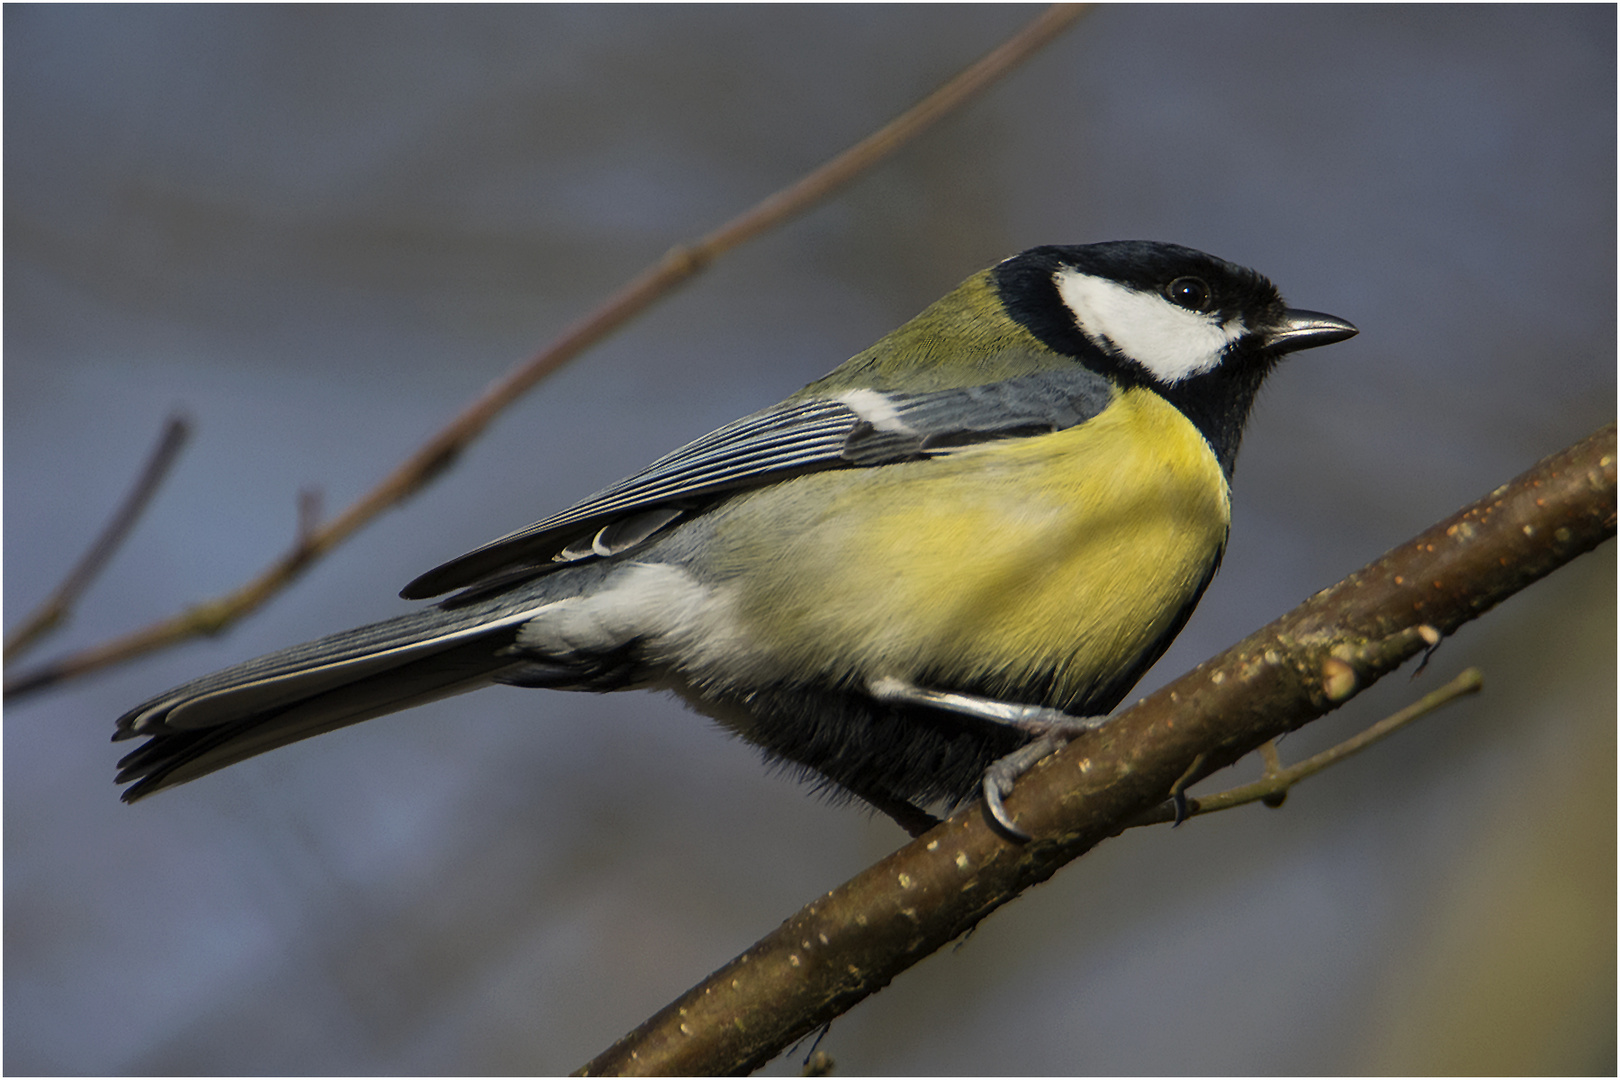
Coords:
857,429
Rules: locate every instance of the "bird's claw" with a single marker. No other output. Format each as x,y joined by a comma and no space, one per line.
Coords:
997,781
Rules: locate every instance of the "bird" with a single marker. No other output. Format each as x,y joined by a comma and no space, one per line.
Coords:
907,582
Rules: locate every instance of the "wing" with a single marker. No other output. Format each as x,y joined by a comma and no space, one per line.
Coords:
858,428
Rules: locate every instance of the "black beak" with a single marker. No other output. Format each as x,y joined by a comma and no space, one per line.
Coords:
1306,330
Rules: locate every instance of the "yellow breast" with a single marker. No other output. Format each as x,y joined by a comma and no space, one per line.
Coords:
1047,565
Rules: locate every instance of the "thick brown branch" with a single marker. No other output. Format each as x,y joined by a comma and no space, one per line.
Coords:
673,269
857,938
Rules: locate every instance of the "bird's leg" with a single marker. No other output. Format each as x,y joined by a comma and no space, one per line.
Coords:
1051,728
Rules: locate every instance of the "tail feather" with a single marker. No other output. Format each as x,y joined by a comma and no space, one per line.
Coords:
313,688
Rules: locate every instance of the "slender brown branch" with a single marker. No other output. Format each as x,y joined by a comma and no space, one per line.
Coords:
853,941
676,267
56,608
1275,784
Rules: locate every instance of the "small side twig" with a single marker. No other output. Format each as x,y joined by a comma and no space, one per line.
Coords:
676,267
58,606
1273,786
309,514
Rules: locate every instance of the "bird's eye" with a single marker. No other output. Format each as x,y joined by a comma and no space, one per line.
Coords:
1188,292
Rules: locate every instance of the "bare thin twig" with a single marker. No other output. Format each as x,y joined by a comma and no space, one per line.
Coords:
56,608
1271,787
677,266
309,513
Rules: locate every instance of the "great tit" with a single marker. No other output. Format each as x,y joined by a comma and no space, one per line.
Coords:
907,581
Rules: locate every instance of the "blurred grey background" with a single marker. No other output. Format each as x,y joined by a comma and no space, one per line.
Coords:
319,231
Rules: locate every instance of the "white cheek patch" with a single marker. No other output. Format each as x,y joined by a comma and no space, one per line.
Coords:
1171,342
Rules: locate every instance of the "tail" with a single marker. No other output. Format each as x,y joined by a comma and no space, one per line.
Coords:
316,687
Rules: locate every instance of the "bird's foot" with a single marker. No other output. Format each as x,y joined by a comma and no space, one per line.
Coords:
1052,729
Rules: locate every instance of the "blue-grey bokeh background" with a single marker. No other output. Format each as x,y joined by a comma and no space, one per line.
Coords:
321,230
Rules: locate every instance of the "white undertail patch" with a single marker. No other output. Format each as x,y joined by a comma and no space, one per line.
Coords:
662,606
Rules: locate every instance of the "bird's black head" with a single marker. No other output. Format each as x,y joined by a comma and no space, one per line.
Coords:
1201,331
